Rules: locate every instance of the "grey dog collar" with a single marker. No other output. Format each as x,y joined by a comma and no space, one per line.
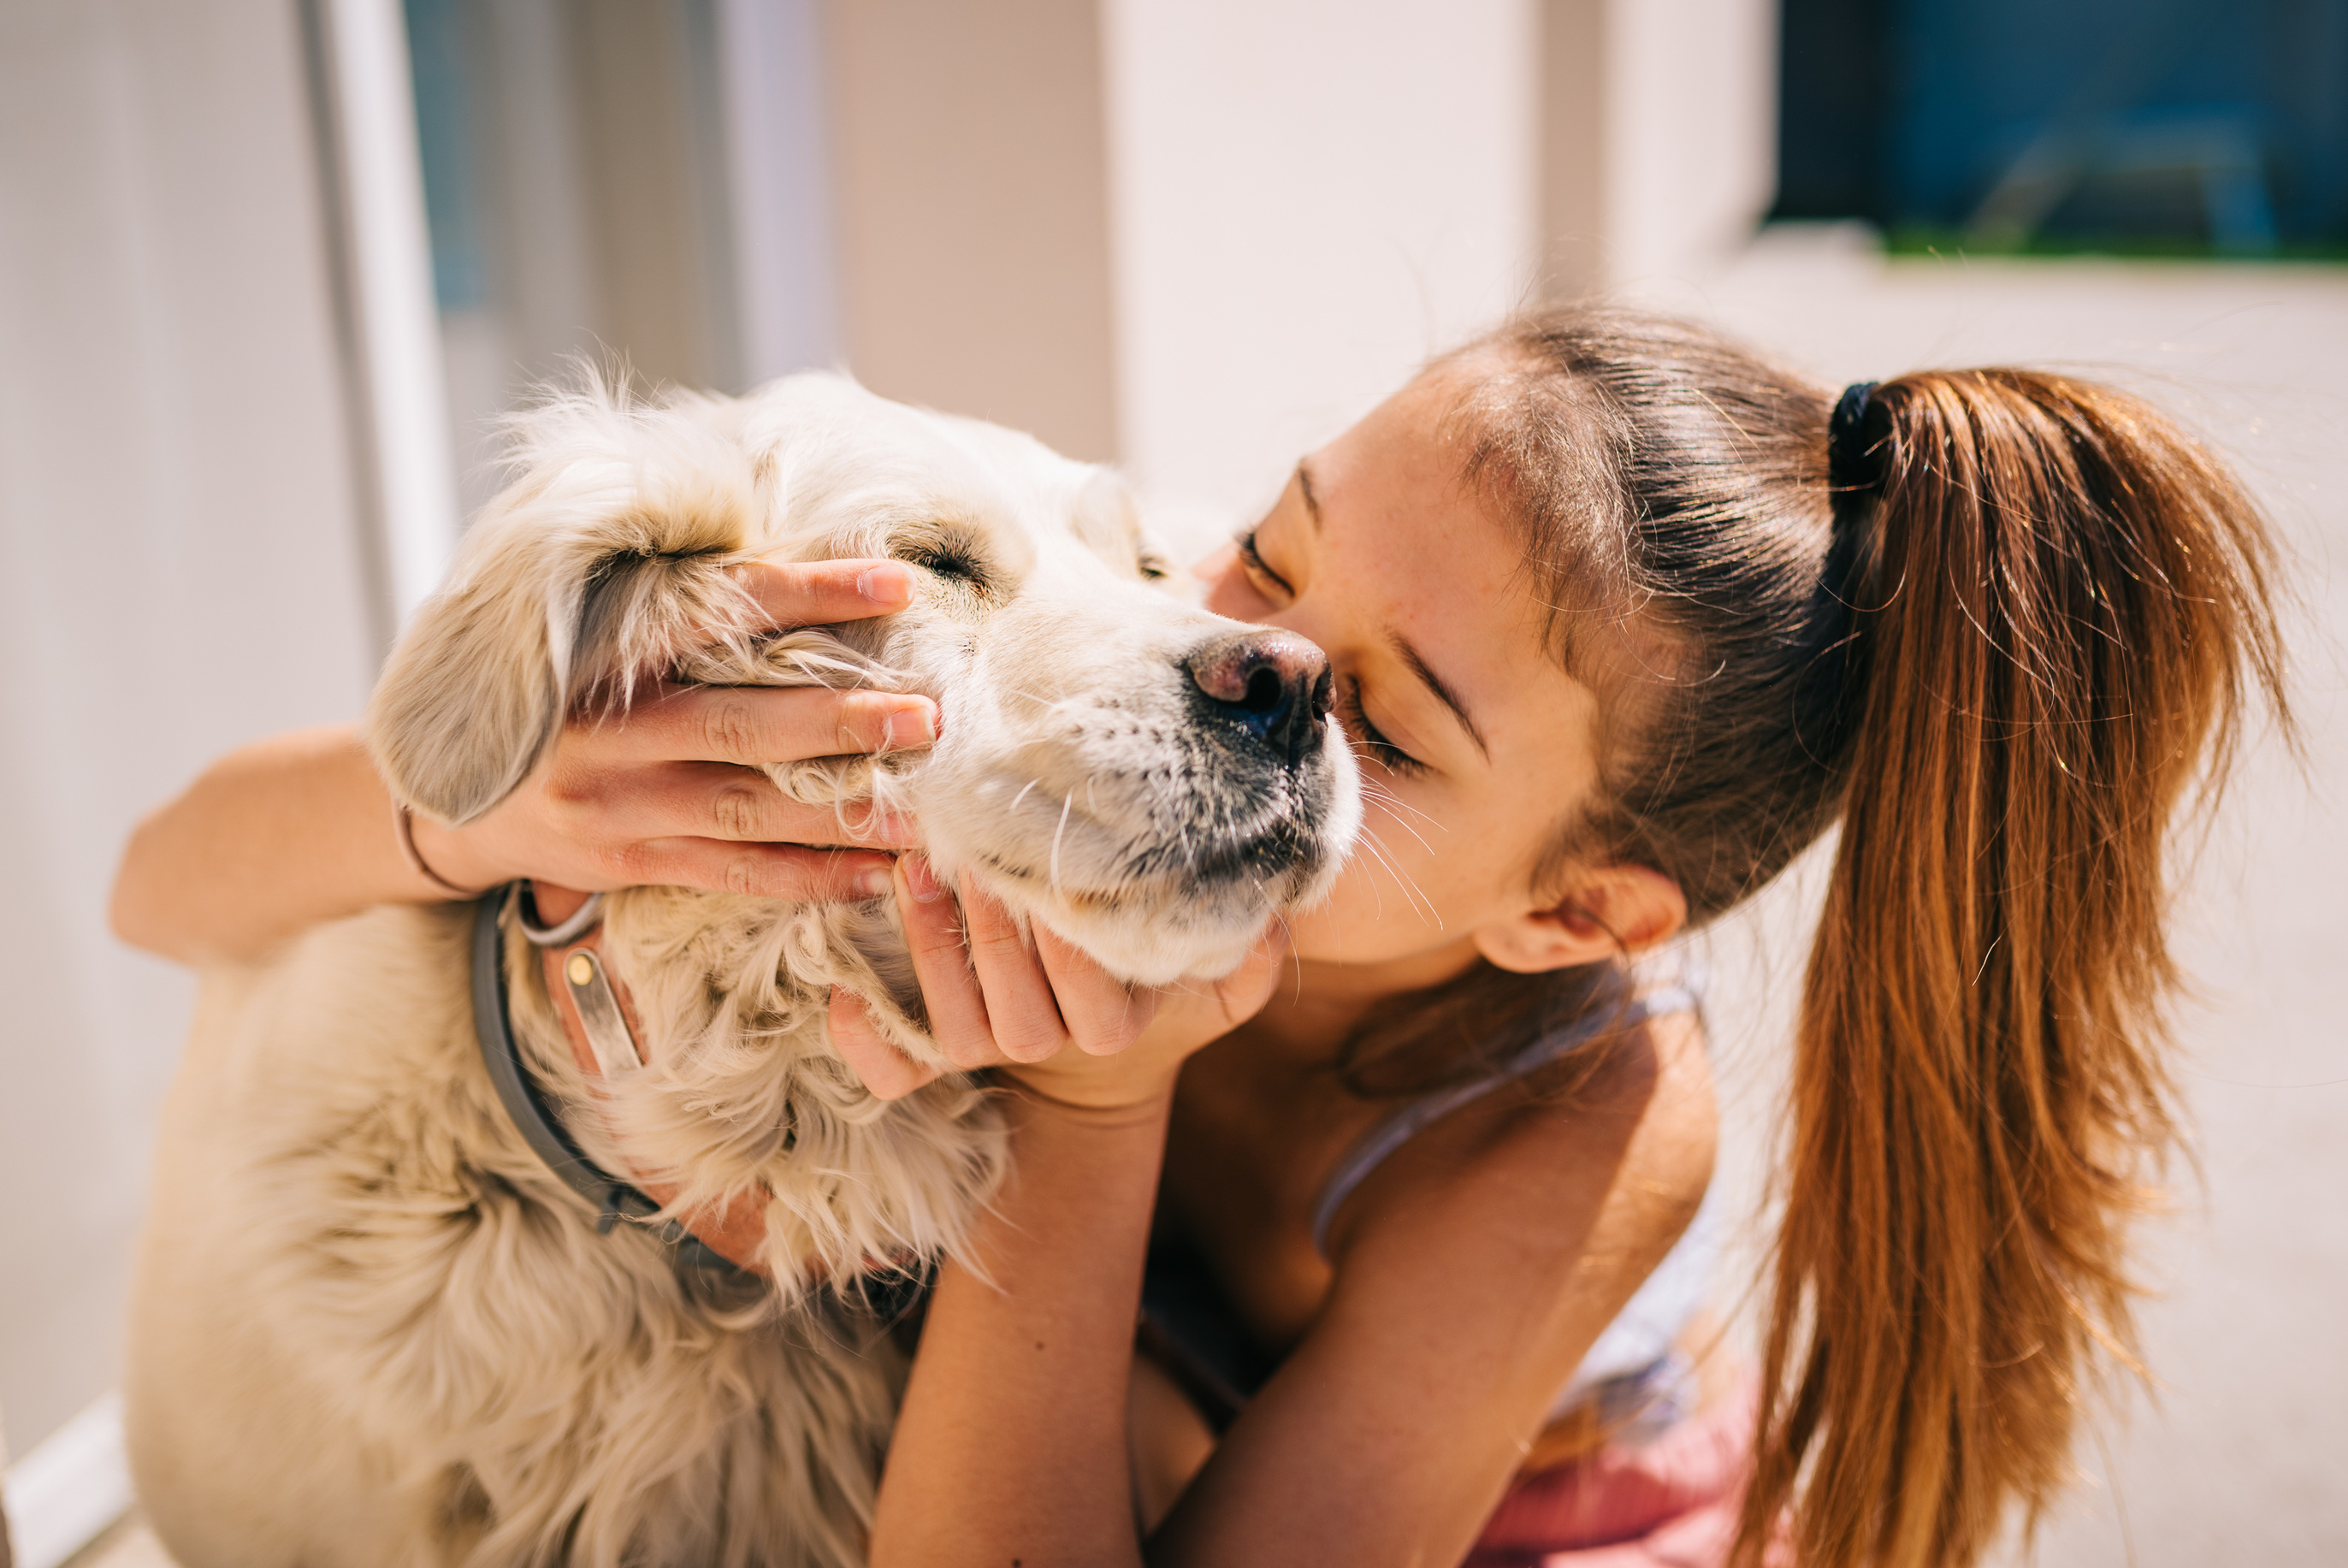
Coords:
526,1108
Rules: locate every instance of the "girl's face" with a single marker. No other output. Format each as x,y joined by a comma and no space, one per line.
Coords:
1475,745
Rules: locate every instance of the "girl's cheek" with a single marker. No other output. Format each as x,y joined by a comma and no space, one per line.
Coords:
1230,593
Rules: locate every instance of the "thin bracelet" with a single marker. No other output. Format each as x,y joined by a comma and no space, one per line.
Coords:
404,818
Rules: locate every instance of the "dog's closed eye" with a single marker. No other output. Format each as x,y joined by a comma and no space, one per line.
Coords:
948,563
949,553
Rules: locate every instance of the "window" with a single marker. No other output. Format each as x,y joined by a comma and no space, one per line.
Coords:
2137,127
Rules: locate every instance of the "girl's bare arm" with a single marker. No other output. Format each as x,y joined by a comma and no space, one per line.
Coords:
1481,1263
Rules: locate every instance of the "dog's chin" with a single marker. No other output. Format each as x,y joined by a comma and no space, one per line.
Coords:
1161,946
1197,926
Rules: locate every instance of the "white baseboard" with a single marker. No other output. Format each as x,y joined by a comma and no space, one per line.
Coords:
63,1495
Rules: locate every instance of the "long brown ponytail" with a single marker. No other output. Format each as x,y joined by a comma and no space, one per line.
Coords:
2005,669
2065,597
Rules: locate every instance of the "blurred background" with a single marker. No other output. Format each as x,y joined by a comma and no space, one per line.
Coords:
271,270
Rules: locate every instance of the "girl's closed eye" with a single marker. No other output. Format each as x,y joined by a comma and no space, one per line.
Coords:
1393,757
1252,561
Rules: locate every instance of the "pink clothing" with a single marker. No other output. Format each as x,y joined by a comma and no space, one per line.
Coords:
1667,1503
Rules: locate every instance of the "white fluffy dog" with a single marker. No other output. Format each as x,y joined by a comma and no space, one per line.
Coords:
371,1326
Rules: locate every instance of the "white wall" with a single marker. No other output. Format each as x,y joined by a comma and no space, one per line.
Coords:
779,181
970,209
181,574
1306,201
1690,117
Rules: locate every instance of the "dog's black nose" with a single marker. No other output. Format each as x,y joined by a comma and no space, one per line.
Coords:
1274,685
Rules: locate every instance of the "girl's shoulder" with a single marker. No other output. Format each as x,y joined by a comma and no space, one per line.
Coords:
1619,1097
1555,1063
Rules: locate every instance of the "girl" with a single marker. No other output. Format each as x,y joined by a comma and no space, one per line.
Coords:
1623,617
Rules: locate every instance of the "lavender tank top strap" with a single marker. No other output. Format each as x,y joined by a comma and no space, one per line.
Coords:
1677,995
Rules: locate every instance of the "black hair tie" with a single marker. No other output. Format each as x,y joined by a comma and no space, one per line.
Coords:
1856,439
1859,437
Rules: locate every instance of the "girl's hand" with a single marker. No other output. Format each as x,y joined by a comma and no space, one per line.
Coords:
995,1001
672,791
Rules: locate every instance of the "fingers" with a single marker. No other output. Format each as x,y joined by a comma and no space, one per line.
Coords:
1244,992
673,791
1102,1016
1019,1001
958,1011
1210,1009
815,593
790,871
993,999
712,800
885,1070
754,725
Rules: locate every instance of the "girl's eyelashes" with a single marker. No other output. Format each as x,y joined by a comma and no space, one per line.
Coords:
1388,754
1252,561
1385,752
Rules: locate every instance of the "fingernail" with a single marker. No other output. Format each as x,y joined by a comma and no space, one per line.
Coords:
925,886
915,724
887,584
873,883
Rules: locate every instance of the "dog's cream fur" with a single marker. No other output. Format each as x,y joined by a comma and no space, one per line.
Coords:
369,1328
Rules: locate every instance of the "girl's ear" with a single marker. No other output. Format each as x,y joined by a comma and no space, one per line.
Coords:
1612,910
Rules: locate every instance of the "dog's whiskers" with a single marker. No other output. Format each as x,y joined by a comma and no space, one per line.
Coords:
1411,891
1039,700
1387,798
1419,903
1069,804
1373,789
1413,832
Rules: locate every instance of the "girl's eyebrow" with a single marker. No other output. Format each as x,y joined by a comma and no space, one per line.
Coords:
1402,650
1311,501
1395,641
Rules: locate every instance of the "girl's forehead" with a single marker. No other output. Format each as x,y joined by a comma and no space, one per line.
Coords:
1394,490
1424,420
1427,571
1455,550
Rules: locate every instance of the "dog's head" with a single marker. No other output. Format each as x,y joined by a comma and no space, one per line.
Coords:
1148,779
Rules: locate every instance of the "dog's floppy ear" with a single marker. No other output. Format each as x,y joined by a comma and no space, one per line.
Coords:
473,692
1109,517
596,568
